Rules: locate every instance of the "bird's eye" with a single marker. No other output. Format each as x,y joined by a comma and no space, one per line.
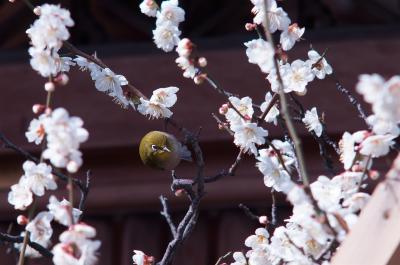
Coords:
154,147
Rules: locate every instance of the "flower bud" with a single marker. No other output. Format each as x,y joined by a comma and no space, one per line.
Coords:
199,79
202,61
72,167
38,108
263,220
373,174
49,86
22,220
62,79
250,26
223,109
179,193
37,11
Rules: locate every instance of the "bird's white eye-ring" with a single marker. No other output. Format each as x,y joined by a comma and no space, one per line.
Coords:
154,147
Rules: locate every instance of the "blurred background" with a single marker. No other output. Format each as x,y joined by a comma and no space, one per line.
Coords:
361,37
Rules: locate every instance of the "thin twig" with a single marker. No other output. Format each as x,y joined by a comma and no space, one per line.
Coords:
222,258
249,213
285,111
19,239
167,216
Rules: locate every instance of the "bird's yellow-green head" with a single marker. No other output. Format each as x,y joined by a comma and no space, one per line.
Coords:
160,150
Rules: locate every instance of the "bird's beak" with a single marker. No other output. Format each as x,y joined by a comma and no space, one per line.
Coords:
166,149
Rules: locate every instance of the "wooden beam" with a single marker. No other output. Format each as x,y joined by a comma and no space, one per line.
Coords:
375,238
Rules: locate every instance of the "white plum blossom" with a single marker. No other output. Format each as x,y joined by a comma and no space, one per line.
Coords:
29,251
66,63
289,37
377,145
110,83
62,211
282,246
64,136
384,98
370,86
297,77
320,66
274,174
327,193
36,130
189,71
44,61
277,17
139,258
20,196
347,150
39,228
239,259
166,36
47,35
38,177
312,122
170,13
273,112
153,109
245,108
272,77
149,8
76,246
158,104
258,240
383,126
261,53
166,96
248,135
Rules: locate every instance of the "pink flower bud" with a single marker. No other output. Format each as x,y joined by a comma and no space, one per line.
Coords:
49,86
199,79
250,26
223,109
263,220
38,108
62,79
22,220
179,193
202,62
37,11
373,174
247,117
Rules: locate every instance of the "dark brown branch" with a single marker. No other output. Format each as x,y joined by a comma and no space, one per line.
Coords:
226,173
189,221
167,216
84,188
19,239
134,92
353,101
249,213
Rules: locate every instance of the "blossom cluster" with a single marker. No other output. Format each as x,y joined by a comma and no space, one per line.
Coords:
168,16
306,238
47,35
158,104
64,134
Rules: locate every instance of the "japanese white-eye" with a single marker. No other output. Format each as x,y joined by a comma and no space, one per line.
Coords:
161,150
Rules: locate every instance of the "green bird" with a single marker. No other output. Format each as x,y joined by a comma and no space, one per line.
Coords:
161,150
